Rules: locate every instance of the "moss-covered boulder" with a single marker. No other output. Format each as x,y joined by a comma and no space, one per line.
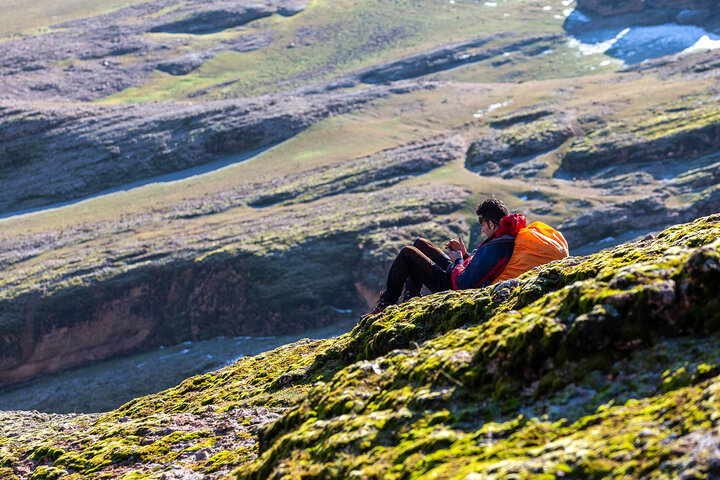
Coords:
590,367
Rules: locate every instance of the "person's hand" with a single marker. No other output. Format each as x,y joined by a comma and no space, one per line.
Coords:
457,245
454,255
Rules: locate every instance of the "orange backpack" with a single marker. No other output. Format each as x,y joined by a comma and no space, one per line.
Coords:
535,245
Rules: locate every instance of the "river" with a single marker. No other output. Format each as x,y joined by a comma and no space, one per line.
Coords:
106,385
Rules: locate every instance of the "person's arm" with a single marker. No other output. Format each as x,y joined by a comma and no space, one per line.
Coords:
484,265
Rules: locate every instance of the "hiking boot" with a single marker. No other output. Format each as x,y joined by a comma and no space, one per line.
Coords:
407,296
381,305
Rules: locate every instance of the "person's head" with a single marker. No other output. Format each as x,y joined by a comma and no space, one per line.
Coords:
489,213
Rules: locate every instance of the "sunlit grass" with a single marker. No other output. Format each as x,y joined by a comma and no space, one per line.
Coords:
20,16
334,38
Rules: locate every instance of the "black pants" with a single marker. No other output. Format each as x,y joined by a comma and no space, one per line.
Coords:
421,264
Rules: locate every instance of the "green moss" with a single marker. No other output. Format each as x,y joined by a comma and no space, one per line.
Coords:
487,364
48,473
587,368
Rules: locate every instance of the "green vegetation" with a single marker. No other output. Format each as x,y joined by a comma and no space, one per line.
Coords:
330,39
602,366
41,15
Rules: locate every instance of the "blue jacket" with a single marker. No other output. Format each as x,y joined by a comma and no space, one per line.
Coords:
490,258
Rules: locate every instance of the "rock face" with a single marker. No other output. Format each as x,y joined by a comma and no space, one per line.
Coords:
611,7
210,20
182,65
685,12
594,366
210,283
501,151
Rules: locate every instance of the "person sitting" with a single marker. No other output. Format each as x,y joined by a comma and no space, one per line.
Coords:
426,264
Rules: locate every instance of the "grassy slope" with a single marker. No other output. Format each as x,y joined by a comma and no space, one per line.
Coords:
336,38
443,111
21,18
595,367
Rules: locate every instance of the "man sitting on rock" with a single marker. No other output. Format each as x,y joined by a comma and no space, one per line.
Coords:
426,264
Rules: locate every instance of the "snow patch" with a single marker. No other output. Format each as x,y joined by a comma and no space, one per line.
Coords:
593,48
705,43
491,108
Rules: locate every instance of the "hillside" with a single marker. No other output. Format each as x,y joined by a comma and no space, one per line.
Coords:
603,366
197,169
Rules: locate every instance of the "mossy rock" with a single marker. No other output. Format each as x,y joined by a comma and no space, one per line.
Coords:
596,367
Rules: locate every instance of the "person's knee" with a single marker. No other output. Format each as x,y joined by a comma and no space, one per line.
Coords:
408,252
419,242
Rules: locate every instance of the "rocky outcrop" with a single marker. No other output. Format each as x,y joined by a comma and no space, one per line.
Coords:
593,366
380,170
82,150
683,132
499,152
447,57
212,20
222,15
635,218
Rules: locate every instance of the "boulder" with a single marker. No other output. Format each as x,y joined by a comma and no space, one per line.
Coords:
692,17
182,65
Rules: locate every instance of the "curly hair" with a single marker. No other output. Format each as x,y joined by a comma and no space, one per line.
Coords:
492,209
